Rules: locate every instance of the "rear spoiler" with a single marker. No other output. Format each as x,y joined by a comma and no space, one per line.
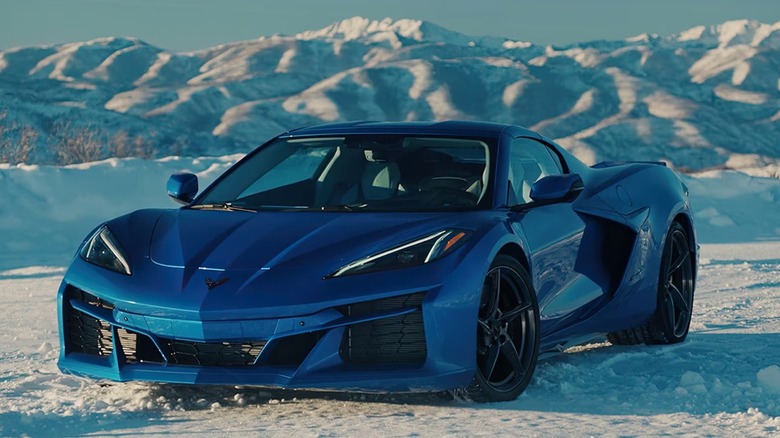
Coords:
605,164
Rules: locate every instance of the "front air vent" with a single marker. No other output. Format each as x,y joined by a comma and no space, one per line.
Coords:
393,303
292,350
87,298
138,348
84,333
238,353
394,340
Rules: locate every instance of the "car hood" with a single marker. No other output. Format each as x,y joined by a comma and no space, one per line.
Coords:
237,241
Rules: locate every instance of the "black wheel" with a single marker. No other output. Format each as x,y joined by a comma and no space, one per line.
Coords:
507,333
672,318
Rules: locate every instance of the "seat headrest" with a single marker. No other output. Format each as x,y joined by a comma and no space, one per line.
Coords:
375,156
380,180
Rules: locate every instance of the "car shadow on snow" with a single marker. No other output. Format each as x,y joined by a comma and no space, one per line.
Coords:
189,398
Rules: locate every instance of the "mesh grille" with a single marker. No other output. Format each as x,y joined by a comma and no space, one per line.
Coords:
400,339
292,350
88,298
137,348
85,334
239,353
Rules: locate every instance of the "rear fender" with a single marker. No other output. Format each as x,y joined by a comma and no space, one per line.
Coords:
643,198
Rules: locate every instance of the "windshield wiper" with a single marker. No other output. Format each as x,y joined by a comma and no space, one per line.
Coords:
350,207
228,206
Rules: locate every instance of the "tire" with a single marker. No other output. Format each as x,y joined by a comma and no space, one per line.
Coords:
672,318
507,333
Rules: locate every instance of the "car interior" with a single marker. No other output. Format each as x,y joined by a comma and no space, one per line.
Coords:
403,174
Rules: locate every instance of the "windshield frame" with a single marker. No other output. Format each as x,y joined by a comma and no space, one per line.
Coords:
484,202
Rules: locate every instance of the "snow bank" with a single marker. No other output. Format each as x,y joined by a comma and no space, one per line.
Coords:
46,211
734,207
769,379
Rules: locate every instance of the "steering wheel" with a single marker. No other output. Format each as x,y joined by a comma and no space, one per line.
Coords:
449,187
458,197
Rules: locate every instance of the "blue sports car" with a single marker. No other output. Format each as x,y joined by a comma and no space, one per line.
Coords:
380,257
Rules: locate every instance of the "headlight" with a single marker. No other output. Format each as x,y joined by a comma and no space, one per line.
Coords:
418,252
103,250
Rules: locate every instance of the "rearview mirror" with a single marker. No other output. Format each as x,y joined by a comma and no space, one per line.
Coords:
556,187
182,187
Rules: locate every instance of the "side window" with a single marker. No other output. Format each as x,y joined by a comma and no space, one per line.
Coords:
529,162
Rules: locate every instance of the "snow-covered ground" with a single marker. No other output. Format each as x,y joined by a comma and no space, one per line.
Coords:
725,380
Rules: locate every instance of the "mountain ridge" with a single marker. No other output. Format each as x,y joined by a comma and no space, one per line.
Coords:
697,98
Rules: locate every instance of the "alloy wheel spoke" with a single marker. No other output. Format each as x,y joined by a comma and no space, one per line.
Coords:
524,332
671,315
681,258
668,253
514,313
677,298
509,351
490,361
484,324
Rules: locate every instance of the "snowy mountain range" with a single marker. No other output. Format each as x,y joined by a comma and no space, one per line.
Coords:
707,97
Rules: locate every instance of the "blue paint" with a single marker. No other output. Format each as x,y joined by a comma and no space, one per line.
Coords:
271,280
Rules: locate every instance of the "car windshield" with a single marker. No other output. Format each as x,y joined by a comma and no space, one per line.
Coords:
357,173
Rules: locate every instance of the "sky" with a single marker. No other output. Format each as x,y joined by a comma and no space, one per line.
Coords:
183,25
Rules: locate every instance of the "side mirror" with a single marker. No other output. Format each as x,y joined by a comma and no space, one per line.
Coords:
553,188
183,187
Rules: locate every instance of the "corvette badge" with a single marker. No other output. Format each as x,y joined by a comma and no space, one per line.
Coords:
211,284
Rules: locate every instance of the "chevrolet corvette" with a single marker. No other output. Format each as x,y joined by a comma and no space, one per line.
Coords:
384,257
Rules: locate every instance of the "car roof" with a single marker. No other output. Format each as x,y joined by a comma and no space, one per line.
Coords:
452,127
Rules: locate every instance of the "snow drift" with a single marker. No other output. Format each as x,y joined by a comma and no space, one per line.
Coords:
47,210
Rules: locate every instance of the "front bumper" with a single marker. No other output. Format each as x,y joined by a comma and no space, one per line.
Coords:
378,345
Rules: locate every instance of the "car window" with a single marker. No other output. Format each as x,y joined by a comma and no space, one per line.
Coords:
363,172
299,166
529,162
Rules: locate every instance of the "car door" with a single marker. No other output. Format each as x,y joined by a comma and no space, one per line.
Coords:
554,235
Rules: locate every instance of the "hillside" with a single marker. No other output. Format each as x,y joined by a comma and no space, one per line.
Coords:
707,97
